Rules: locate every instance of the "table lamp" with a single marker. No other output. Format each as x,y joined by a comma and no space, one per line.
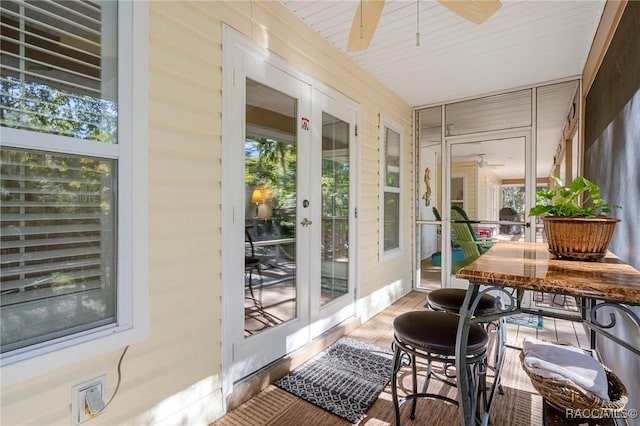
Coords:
257,197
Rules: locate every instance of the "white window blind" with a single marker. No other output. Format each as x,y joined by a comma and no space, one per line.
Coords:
53,43
58,67
58,209
57,250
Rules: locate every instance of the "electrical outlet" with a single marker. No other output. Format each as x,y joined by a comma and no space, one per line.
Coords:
90,392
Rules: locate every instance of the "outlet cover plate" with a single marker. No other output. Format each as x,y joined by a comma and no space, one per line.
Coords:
78,392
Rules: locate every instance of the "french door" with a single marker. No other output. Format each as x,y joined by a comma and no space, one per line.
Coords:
289,233
333,243
478,204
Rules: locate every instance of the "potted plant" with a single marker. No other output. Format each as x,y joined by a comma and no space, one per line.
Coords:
575,229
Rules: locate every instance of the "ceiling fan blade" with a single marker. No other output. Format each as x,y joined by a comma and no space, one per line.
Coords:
476,11
364,24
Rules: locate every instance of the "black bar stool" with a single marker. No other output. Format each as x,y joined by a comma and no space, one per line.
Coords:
431,335
451,299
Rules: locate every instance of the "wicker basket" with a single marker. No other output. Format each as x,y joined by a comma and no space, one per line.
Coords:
563,396
579,238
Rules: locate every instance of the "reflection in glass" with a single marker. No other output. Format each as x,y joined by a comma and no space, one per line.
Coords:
391,198
58,253
392,158
391,220
270,208
335,208
430,133
430,198
482,174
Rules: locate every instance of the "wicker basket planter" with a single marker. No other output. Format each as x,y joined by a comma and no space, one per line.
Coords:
579,238
563,396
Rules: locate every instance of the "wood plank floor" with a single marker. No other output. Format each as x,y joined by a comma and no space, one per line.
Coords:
519,406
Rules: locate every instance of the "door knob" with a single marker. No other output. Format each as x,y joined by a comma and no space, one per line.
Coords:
305,222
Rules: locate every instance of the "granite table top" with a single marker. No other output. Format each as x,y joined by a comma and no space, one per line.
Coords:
530,266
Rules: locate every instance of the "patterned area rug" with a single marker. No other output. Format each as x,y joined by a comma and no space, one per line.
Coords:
345,379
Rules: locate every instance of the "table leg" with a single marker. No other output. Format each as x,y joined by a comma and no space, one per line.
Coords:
467,404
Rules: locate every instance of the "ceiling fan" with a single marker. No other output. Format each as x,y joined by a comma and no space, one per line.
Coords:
368,14
482,163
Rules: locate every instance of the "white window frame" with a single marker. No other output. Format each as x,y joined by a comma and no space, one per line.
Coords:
132,324
388,123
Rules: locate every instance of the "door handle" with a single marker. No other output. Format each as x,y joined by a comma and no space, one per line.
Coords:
305,222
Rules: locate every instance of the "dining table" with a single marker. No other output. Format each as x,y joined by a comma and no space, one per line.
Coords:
604,289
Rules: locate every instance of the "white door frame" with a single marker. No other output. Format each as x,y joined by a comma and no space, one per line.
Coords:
237,52
338,310
523,132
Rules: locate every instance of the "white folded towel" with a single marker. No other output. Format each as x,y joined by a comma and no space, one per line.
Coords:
565,364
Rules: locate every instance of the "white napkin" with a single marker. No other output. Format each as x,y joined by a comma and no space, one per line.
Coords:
565,364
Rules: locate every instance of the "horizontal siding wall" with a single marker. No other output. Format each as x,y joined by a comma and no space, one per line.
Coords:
175,376
181,368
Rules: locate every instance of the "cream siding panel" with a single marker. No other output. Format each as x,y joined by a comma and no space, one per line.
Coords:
177,274
199,72
199,167
167,133
188,121
175,375
175,87
184,214
203,80
236,14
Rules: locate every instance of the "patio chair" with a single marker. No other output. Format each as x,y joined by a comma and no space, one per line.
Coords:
484,244
436,214
464,238
456,253
252,263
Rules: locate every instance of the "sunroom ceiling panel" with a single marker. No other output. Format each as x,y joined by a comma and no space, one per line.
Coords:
525,42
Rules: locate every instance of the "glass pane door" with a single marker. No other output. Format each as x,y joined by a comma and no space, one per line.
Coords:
334,280
332,246
487,196
270,210
266,142
429,231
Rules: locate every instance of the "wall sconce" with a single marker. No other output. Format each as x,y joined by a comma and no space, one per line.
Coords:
257,197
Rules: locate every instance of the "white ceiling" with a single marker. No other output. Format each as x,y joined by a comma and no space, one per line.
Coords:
524,43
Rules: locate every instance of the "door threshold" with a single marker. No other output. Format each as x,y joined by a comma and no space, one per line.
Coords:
249,386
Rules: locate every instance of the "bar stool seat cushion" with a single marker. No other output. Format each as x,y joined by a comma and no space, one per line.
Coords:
436,332
450,300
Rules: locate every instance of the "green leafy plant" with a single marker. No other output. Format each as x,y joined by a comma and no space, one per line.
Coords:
564,201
